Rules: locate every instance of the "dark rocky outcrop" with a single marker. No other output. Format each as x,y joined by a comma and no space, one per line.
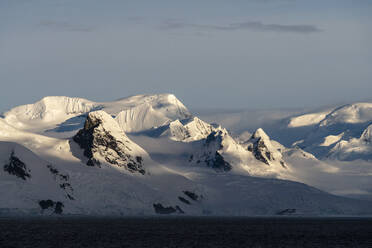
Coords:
211,154
95,137
160,209
192,195
215,159
262,149
184,200
288,211
45,204
63,180
49,204
216,138
85,138
218,163
58,208
17,168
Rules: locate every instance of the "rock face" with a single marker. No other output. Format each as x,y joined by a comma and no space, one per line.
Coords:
160,209
211,153
57,207
104,141
16,167
262,148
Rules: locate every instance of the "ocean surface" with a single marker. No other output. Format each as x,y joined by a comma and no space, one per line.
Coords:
185,232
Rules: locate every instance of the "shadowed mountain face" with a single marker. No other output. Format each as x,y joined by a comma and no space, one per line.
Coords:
211,153
263,149
103,140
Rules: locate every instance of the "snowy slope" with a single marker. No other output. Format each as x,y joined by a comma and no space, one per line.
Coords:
307,119
327,133
26,179
105,190
139,113
166,104
48,111
82,189
354,148
229,188
109,192
141,117
351,113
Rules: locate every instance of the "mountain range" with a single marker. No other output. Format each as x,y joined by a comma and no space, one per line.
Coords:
148,155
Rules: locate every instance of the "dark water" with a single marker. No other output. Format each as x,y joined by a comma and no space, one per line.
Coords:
186,232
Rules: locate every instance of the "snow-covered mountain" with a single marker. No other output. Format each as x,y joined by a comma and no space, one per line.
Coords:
146,155
354,148
103,141
60,114
27,180
264,149
212,146
48,111
188,130
335,133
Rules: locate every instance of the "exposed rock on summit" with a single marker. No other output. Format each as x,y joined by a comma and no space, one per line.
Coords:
262,148
104,141
188,130
211,152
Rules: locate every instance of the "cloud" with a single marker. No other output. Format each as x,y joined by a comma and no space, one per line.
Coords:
65,26
250,25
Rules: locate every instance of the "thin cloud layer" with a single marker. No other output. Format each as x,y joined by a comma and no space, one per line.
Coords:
65,26
250,25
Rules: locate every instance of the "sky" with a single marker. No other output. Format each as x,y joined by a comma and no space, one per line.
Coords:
213,54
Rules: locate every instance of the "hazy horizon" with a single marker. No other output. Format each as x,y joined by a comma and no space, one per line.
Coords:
208,109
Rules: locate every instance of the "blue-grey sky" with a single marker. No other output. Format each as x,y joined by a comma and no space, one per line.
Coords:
210,53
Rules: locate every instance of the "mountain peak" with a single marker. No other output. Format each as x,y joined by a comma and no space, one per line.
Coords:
101,118
103,141
260,133
188,130
210,153
263,149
